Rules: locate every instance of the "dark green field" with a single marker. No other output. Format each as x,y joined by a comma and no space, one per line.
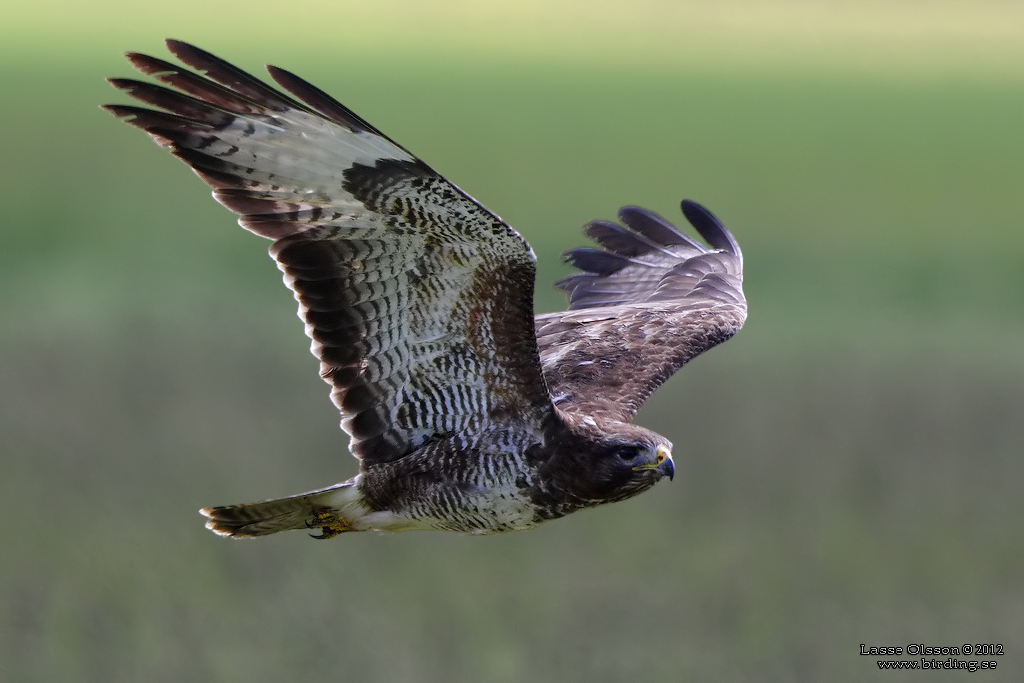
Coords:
850,465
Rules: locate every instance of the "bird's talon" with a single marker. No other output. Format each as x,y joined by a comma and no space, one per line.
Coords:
331,524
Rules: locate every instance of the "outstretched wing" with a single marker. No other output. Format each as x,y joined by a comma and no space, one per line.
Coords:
643,306
419,300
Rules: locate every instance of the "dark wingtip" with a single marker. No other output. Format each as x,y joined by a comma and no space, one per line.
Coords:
150,65
655,228
131,114
279,74
229,75
321,102
311,95
133,57
595,261
124,84
196,57
709,227
174,45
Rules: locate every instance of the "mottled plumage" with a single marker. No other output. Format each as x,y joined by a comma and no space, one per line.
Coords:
467,413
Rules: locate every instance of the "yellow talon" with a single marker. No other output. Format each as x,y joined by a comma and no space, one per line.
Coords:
331,523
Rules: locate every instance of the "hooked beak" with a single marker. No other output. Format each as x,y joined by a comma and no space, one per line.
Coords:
664,463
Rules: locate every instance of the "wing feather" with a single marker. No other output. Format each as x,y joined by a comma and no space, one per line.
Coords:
418,300
645,305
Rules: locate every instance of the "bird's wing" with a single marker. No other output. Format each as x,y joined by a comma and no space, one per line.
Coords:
648,302
419,300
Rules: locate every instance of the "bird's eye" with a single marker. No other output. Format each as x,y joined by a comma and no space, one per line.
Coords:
629,454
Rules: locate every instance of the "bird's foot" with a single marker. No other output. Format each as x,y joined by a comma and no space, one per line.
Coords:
330,523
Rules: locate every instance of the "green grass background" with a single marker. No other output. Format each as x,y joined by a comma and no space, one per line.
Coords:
850,464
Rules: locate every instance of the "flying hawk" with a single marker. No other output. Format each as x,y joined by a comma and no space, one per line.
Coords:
466,411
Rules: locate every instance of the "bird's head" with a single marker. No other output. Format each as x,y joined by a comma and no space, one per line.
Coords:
613,461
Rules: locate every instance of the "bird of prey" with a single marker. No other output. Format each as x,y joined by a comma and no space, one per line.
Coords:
466,411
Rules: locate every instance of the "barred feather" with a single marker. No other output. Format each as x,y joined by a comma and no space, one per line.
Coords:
418,300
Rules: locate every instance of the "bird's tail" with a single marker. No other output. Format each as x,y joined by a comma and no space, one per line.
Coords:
331,509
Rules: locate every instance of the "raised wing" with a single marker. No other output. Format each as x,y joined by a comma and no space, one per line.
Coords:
419,301
643,306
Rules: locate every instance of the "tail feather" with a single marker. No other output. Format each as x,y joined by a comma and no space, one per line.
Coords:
324,508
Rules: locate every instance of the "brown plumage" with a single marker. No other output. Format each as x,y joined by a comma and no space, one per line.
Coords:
466,412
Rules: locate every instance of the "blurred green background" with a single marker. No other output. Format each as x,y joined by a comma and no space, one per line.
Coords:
850,465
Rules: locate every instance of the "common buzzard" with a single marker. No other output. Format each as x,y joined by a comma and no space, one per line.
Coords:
467,412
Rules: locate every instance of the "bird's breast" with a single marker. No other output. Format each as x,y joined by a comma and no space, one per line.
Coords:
476,492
